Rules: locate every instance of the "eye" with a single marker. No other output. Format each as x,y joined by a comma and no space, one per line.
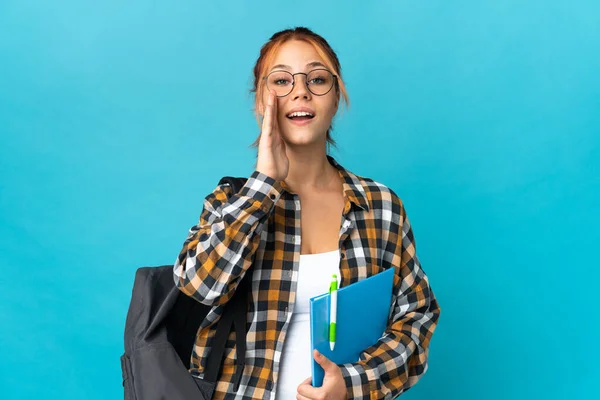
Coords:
319,78
280,79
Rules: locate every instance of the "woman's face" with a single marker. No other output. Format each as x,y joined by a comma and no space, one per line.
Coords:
299,56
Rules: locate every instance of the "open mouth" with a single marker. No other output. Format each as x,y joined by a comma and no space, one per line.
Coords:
300,116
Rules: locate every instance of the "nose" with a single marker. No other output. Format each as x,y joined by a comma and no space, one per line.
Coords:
300,88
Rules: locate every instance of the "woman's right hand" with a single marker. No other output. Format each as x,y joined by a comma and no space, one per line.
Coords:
272,158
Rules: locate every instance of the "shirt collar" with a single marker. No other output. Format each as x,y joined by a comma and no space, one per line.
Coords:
354,186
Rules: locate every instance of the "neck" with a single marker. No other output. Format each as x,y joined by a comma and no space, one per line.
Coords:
310,170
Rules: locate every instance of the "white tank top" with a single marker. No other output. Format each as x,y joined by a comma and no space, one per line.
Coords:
314,277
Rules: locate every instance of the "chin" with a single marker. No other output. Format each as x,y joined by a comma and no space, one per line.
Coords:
299,135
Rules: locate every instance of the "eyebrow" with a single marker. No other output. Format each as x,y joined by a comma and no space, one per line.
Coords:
310,64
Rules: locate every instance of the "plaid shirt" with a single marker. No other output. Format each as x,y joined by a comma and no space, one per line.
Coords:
261,225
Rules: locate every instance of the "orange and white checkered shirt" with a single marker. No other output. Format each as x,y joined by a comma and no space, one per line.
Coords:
260,226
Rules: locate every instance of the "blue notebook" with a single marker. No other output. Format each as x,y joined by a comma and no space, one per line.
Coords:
363,309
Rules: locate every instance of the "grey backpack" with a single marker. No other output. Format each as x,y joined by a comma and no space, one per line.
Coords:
160,331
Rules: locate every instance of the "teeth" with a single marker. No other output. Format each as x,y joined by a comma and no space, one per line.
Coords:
300,114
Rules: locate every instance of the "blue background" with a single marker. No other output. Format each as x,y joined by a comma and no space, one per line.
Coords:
483,116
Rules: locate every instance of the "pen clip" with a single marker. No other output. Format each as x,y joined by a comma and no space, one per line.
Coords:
333,284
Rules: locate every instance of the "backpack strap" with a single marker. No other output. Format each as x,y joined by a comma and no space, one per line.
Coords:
240,319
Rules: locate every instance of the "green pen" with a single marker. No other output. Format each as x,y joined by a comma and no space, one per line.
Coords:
333,287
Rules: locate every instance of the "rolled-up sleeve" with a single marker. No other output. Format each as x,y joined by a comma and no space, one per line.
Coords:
399,359
221,247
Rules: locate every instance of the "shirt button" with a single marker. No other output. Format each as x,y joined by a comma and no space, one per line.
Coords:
293,239
343,255
272,196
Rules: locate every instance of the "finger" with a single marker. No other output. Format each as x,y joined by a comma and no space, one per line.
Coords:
308,391
274,97
323,361
305,382
268,119
274,110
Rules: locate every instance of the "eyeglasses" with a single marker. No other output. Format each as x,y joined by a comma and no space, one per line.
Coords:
318,81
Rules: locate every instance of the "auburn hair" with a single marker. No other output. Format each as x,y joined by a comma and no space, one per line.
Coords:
267,55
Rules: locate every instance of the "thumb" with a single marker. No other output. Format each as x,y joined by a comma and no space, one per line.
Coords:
323,361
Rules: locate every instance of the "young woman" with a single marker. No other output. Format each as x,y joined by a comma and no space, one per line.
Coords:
299,218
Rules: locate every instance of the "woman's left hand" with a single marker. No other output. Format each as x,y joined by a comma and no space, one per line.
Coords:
334,385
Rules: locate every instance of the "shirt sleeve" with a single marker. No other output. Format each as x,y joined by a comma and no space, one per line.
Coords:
221,247
399,358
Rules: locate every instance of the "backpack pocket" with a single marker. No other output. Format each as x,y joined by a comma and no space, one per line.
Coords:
160,374
127,378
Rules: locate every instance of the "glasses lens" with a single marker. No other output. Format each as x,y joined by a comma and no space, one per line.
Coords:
281,82
319,81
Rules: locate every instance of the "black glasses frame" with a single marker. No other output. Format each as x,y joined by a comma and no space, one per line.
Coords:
305,79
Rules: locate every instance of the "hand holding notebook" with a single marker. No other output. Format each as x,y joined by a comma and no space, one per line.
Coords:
363,309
